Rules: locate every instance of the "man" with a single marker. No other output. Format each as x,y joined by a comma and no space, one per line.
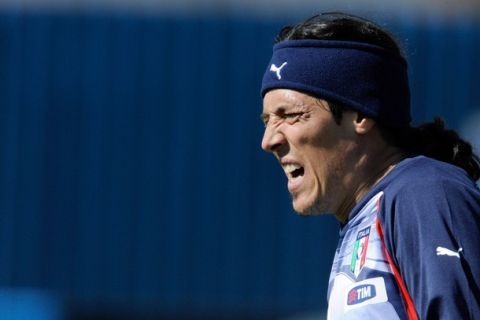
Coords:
337,117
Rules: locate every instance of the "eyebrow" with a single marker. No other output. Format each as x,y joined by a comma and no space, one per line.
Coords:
278,110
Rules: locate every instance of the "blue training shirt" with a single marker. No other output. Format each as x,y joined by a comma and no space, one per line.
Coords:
411,247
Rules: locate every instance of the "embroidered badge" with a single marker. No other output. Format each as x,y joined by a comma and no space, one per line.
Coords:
359,253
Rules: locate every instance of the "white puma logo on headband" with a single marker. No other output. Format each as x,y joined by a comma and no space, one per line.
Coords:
277,70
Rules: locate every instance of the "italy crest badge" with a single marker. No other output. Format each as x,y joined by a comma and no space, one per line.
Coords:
359,253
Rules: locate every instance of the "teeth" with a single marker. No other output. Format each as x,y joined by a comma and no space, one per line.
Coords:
289,168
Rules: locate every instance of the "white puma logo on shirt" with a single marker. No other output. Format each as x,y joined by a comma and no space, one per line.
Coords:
441,251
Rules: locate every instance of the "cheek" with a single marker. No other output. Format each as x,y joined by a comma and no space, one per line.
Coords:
326,168
322,136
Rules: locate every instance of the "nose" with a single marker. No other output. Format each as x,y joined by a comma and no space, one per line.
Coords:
272,139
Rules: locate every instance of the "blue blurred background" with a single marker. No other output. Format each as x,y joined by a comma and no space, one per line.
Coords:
132,183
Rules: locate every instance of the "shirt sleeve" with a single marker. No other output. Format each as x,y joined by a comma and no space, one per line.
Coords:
432,233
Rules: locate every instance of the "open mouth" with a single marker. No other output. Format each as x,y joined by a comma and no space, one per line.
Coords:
293,170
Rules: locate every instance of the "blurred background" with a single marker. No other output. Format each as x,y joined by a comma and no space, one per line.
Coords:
132,183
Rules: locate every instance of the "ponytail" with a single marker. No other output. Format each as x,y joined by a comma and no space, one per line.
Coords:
433,140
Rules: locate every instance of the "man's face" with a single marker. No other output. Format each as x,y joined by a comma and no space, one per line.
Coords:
312,149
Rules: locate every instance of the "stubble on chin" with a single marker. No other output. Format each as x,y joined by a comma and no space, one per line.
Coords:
309,209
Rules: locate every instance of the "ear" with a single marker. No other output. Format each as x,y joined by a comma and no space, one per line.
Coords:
362,124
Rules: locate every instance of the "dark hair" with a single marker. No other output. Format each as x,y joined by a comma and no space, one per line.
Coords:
339,26
430,139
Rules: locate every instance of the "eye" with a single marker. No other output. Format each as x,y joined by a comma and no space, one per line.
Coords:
278,118
292,116
264,118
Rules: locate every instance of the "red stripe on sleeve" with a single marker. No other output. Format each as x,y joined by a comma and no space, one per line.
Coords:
411,312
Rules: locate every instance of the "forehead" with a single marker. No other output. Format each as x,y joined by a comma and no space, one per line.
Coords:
286,99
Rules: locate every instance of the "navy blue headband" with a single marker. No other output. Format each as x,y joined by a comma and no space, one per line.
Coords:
364,77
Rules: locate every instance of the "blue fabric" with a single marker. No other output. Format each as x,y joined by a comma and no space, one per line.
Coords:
364,77
429,207
360,262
